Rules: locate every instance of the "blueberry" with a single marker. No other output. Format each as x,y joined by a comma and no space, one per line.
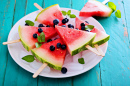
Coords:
63,47
40,30
69,25
49,40
64,70
72,26
87,22
26,25
76,28
63,26
64,21
41,25
54,26
55,22
83,28
87,30
82,24
48,26
52,48
58,45
35,35
55,38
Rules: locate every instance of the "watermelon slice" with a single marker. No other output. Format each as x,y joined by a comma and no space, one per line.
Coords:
54,59
95,8
26,35
101,37
76,40
47,15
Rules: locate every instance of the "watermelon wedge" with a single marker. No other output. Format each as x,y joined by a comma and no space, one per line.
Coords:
101,37
95,8
76,40
26,35
54,59
47,15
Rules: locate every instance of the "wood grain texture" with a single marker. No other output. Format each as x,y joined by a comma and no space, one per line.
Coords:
6,17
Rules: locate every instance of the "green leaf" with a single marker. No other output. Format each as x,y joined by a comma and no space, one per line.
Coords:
64,13
41,38
72,16
30,23
118,14
112,6
81,60
89,27
28,58
69,12
38,45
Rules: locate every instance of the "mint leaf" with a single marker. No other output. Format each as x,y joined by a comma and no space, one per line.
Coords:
89,27
30,23
38,45
41,38
81,60
72,16
118,14
28,58
64,13
69,12
112,6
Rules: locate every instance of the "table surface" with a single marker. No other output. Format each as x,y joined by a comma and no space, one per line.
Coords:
114,69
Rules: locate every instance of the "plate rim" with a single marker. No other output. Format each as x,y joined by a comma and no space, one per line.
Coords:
73,74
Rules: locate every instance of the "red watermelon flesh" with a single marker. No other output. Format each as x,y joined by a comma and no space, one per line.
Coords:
76,40
95,8
101,37
47,15
54,59
26,35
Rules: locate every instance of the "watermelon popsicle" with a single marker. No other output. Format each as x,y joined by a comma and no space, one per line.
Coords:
95,8
27,34
53,57
76,40
101,37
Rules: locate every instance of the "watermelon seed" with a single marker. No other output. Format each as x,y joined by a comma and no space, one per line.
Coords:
48,26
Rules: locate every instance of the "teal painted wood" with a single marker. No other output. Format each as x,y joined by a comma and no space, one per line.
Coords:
43,81
30,5
6,17
15,75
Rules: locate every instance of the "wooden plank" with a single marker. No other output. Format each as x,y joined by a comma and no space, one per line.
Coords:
92,77
15,75
30,5
6,17
43,81
115,65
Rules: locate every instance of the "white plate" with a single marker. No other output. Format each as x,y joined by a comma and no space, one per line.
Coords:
17,51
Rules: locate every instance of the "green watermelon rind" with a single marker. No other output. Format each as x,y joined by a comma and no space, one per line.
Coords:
101,41
45,10
74,52
44,61
24,45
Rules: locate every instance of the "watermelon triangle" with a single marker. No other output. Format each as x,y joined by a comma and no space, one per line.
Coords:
26,35
76,40
95,8
101,37
54,59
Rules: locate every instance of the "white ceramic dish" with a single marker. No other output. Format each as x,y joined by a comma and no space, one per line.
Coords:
17,51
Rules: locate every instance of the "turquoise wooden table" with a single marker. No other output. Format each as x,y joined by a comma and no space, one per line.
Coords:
114,69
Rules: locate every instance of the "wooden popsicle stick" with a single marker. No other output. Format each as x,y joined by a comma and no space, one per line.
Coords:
39,70
39,7
10,42
105,1
93,50
99,50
